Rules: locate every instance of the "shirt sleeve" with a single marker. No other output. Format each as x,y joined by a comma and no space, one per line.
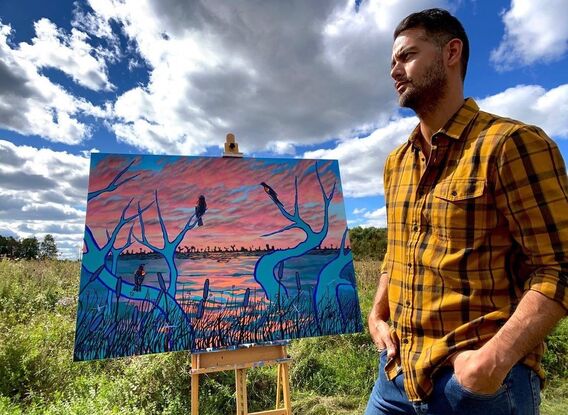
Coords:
385,265
531,192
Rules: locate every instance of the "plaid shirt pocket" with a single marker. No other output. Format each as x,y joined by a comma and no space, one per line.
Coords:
460,209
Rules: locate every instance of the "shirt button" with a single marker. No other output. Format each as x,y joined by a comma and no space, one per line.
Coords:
409,265
454,193
415,228
407,303
421,193
405,341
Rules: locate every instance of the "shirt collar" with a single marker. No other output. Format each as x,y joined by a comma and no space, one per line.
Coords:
456,125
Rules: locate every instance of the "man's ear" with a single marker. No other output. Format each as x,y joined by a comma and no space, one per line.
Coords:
453,51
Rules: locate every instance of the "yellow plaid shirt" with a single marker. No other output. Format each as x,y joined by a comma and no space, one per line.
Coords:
469,231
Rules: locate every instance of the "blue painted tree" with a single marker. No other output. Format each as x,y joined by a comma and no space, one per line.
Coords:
114,184
117,250
169,248
94,263
161,300
265,272
334,295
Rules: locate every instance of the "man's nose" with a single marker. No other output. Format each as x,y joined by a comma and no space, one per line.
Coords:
396,71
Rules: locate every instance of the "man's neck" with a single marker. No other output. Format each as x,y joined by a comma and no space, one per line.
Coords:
434,119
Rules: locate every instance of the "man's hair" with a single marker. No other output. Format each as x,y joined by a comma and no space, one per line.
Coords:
441,26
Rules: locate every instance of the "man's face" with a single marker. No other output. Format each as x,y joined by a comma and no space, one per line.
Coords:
418,70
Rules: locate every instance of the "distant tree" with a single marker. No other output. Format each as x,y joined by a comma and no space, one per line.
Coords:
370,243
48,248
9,247
29,248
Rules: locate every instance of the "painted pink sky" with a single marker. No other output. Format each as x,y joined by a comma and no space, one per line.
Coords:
239,211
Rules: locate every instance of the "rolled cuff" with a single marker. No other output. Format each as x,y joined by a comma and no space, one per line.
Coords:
551,286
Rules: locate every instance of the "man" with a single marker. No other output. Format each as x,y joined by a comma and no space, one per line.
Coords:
476,269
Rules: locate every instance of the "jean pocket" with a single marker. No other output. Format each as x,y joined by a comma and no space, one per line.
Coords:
460,389
464,401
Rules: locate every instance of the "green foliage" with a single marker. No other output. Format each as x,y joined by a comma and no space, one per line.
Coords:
368,243
8,246
48,248
330,375
556,359
28,248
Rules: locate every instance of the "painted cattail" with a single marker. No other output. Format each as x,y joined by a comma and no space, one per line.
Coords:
118,287
161,281
280,270
298,282
96,274
247,298
200,309
206,289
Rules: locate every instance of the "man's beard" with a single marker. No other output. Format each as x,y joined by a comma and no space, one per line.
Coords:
423,95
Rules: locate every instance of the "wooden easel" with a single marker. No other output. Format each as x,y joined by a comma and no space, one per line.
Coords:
240,360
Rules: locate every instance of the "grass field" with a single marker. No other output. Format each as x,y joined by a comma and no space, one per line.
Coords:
330,375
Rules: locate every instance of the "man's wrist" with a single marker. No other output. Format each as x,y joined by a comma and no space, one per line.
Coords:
493,362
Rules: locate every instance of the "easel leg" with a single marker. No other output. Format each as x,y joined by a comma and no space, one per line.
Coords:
241,381
286,387
194,394
278,384
194,386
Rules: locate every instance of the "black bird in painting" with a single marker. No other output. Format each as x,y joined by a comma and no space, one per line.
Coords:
270,191
139,277
200,208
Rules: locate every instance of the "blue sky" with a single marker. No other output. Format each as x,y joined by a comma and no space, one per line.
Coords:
289,78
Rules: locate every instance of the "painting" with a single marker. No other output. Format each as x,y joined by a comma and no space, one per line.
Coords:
204,254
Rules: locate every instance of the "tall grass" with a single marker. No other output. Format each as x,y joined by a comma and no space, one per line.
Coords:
330,375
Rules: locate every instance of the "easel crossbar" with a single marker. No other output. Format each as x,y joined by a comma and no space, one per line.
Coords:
240,360
239,366
271,412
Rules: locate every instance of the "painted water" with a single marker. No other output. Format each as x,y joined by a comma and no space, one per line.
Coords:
229,274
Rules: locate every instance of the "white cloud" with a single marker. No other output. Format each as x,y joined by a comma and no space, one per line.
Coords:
365,218
43,191
533,104
361,160
534,31
31,104
316,71
376,218
71,54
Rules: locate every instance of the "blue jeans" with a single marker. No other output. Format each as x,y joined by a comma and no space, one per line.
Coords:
519,395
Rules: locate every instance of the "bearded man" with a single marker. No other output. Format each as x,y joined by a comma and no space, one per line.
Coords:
476,270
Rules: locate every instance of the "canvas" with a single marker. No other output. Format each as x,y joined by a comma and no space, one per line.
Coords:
202,253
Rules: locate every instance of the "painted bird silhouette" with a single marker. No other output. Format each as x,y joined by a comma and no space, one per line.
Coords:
200,208
270,191
139,277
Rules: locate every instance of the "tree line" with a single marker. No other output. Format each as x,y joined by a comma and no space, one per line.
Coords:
368,243
28,248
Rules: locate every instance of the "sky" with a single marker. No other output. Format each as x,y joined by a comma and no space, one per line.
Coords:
292,79
239,212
